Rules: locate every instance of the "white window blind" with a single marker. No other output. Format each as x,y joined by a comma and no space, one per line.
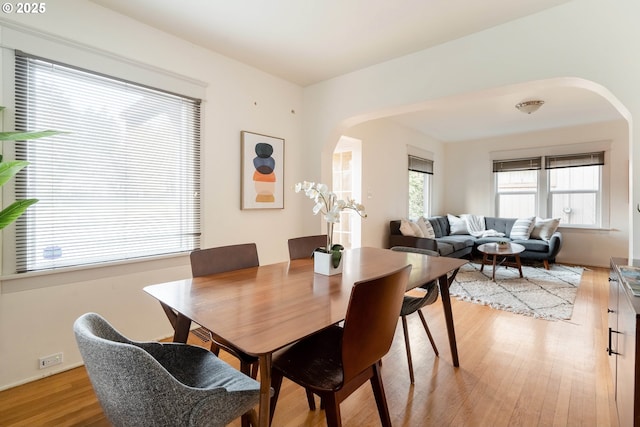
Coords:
123,183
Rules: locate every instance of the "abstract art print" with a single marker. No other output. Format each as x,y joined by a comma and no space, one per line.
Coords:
262,171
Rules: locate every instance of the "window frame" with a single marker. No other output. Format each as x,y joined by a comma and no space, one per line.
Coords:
10,262
543,203
425,166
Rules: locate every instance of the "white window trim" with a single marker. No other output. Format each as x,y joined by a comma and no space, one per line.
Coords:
542,202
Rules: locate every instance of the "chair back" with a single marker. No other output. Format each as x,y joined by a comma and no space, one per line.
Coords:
303,247
223,258
371,320
123,375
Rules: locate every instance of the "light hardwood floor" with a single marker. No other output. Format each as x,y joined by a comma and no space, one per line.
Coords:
514,371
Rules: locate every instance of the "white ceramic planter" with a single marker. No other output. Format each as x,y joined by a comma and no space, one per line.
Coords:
322,264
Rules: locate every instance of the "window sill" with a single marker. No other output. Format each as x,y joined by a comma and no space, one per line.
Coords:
63,276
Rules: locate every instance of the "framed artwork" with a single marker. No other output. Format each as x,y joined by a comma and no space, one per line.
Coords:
262,158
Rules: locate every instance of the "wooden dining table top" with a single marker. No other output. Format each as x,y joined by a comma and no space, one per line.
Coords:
262,309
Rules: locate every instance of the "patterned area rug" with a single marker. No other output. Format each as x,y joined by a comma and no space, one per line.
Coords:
544,294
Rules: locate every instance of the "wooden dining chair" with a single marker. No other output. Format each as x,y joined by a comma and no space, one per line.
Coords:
299,248
412,304
336,361
219,260
303,247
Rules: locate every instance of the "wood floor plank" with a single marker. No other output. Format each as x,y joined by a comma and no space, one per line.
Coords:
514,371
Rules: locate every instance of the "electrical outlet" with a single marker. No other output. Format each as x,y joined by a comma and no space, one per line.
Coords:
47,361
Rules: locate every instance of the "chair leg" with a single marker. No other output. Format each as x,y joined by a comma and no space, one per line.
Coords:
378,392
254,370
332,410
426,328
408,347
546,264
276,383
311,400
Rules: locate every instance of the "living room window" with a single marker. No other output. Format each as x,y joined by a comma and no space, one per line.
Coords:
123,183
420,177
516,183
569,188
574,184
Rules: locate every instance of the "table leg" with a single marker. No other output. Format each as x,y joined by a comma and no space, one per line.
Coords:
484,261
182,326
519,264
265,390
493,276
444,283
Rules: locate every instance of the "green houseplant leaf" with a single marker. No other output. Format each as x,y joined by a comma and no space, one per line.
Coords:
13,211
23,136
10,169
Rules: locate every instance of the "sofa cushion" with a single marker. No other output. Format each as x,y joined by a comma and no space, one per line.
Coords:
426,228
521,229
440,225
501,225
544,228
410,228
457,225
445,248
458,241
533,245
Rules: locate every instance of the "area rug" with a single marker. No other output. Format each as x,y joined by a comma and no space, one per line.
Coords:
545,294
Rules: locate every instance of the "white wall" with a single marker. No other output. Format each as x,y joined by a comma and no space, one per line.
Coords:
384,174
589,40
36,313
469,180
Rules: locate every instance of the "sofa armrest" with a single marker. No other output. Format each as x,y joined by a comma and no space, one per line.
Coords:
413,242
555,244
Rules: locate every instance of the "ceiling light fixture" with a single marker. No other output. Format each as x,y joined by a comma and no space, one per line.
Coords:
529,106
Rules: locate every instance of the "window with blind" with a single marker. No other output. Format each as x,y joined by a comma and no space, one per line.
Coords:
570,188
420,177
122,183
516,186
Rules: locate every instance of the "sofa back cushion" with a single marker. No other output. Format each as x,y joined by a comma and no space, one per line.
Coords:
501,225
440,225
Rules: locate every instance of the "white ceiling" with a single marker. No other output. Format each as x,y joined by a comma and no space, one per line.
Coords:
307,41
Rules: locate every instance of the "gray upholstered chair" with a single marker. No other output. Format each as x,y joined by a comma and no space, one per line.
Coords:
160,384
303,247
412,304
335,362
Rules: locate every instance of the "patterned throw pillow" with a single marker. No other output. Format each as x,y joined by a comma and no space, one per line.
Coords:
544,228
426,227
521,229
410,228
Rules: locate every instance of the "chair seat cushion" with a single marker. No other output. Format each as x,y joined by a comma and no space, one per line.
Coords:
315,361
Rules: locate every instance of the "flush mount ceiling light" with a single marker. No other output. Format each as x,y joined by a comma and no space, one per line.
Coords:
529,106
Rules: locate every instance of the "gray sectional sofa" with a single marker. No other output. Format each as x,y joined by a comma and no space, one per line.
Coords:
464,245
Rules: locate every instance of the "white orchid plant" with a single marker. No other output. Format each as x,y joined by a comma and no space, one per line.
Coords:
328,204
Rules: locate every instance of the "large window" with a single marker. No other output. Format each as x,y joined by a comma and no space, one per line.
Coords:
516,187
569,188
123,183
574,187
420,176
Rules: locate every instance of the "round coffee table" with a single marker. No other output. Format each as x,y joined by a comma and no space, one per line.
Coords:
511,250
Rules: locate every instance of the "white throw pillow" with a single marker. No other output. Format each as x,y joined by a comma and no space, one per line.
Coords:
521,229
426,227
544,228
457,225
410,228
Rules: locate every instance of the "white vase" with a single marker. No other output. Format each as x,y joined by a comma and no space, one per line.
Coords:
322,264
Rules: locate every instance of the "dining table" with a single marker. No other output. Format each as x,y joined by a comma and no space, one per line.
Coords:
263,309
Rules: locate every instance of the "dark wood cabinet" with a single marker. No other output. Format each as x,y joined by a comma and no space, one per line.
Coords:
624,338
